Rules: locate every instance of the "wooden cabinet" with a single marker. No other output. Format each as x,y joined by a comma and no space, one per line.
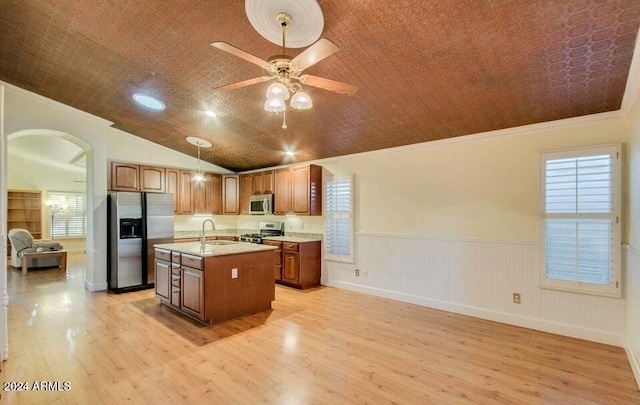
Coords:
298,264
298,190
133,177
217,288
192,292
290,267
282,192
246,189
277,269
152,179
207,194
125,176
172,186
230,195
262,182
24,210
306,190
185,193
163,278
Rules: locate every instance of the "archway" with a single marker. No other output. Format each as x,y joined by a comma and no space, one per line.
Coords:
89,190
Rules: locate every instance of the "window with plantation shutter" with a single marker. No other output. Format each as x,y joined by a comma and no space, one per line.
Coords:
339,218
581,220
70,221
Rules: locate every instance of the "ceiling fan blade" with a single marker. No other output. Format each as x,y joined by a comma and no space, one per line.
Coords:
327,84
240,54
243,83
314,54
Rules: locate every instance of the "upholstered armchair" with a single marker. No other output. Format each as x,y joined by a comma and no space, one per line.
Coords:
22,241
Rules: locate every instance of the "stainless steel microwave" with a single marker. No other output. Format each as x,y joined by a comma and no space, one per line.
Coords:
261,204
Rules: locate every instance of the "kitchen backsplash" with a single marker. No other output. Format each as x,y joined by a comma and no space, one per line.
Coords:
295,226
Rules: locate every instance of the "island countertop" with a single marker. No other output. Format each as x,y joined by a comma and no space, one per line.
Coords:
229,248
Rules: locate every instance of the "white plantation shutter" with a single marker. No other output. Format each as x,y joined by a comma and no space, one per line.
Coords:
72,221
580,207
339,219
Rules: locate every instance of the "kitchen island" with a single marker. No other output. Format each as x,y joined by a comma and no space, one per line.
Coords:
226,280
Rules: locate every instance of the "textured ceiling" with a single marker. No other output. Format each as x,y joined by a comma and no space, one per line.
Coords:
425,70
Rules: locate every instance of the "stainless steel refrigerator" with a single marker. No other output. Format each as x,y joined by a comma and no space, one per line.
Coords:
136,221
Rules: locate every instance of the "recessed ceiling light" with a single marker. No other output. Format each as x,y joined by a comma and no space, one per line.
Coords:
210,113
149,102
290,153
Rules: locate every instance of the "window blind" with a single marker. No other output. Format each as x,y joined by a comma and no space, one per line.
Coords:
580,217
72,220
339,219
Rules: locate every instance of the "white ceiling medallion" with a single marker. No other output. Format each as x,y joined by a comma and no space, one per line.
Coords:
305,29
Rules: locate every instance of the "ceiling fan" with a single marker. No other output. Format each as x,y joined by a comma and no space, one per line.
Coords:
288,70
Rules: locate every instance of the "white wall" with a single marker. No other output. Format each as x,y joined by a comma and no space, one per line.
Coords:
633,249
456,225
25,111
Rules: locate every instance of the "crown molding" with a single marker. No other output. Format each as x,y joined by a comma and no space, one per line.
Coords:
72,110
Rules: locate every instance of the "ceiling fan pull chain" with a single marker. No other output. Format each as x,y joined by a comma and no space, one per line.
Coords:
284,119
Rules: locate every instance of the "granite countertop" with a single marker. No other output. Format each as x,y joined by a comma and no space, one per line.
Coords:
295,239
196,234
229,248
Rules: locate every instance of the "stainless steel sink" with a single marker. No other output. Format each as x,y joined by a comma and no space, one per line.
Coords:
219,242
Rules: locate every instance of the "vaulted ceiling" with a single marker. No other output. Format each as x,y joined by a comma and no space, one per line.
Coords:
425,70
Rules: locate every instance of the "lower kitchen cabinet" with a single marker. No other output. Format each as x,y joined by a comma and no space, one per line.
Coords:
300,264
192,292
205,288
163,277
277,268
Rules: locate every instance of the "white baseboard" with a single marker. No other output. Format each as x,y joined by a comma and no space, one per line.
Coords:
77,250
557,328
633,361
95,287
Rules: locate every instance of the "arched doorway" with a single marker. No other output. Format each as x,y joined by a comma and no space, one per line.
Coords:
60,139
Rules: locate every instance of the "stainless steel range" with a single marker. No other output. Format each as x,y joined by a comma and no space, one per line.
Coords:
266,229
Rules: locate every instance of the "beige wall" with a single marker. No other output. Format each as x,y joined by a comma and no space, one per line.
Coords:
487,189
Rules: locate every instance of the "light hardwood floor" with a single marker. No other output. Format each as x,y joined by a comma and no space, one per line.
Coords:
322,346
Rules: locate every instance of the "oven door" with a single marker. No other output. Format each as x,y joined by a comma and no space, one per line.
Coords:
261,204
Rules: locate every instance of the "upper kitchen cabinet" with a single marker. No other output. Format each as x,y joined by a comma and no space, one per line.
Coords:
230,194
262,182
306,190
298,190
152,179
282,194
172,186
185,193
133,177
246,189
207,194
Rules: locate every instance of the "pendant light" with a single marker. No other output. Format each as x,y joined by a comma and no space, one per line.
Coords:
200,143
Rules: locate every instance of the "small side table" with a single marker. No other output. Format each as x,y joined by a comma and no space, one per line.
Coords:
62,254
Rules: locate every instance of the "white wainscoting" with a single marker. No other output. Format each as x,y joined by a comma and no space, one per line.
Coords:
632,294
477,278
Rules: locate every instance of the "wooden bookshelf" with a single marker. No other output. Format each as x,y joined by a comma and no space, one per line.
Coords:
24,210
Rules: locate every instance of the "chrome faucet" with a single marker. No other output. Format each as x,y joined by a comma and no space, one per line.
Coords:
213,228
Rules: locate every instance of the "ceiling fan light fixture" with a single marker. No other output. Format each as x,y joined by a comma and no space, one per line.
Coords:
274,105
301,101
277,90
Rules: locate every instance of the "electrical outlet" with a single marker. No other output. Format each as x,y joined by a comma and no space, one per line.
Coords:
357,272
234,273
516,298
